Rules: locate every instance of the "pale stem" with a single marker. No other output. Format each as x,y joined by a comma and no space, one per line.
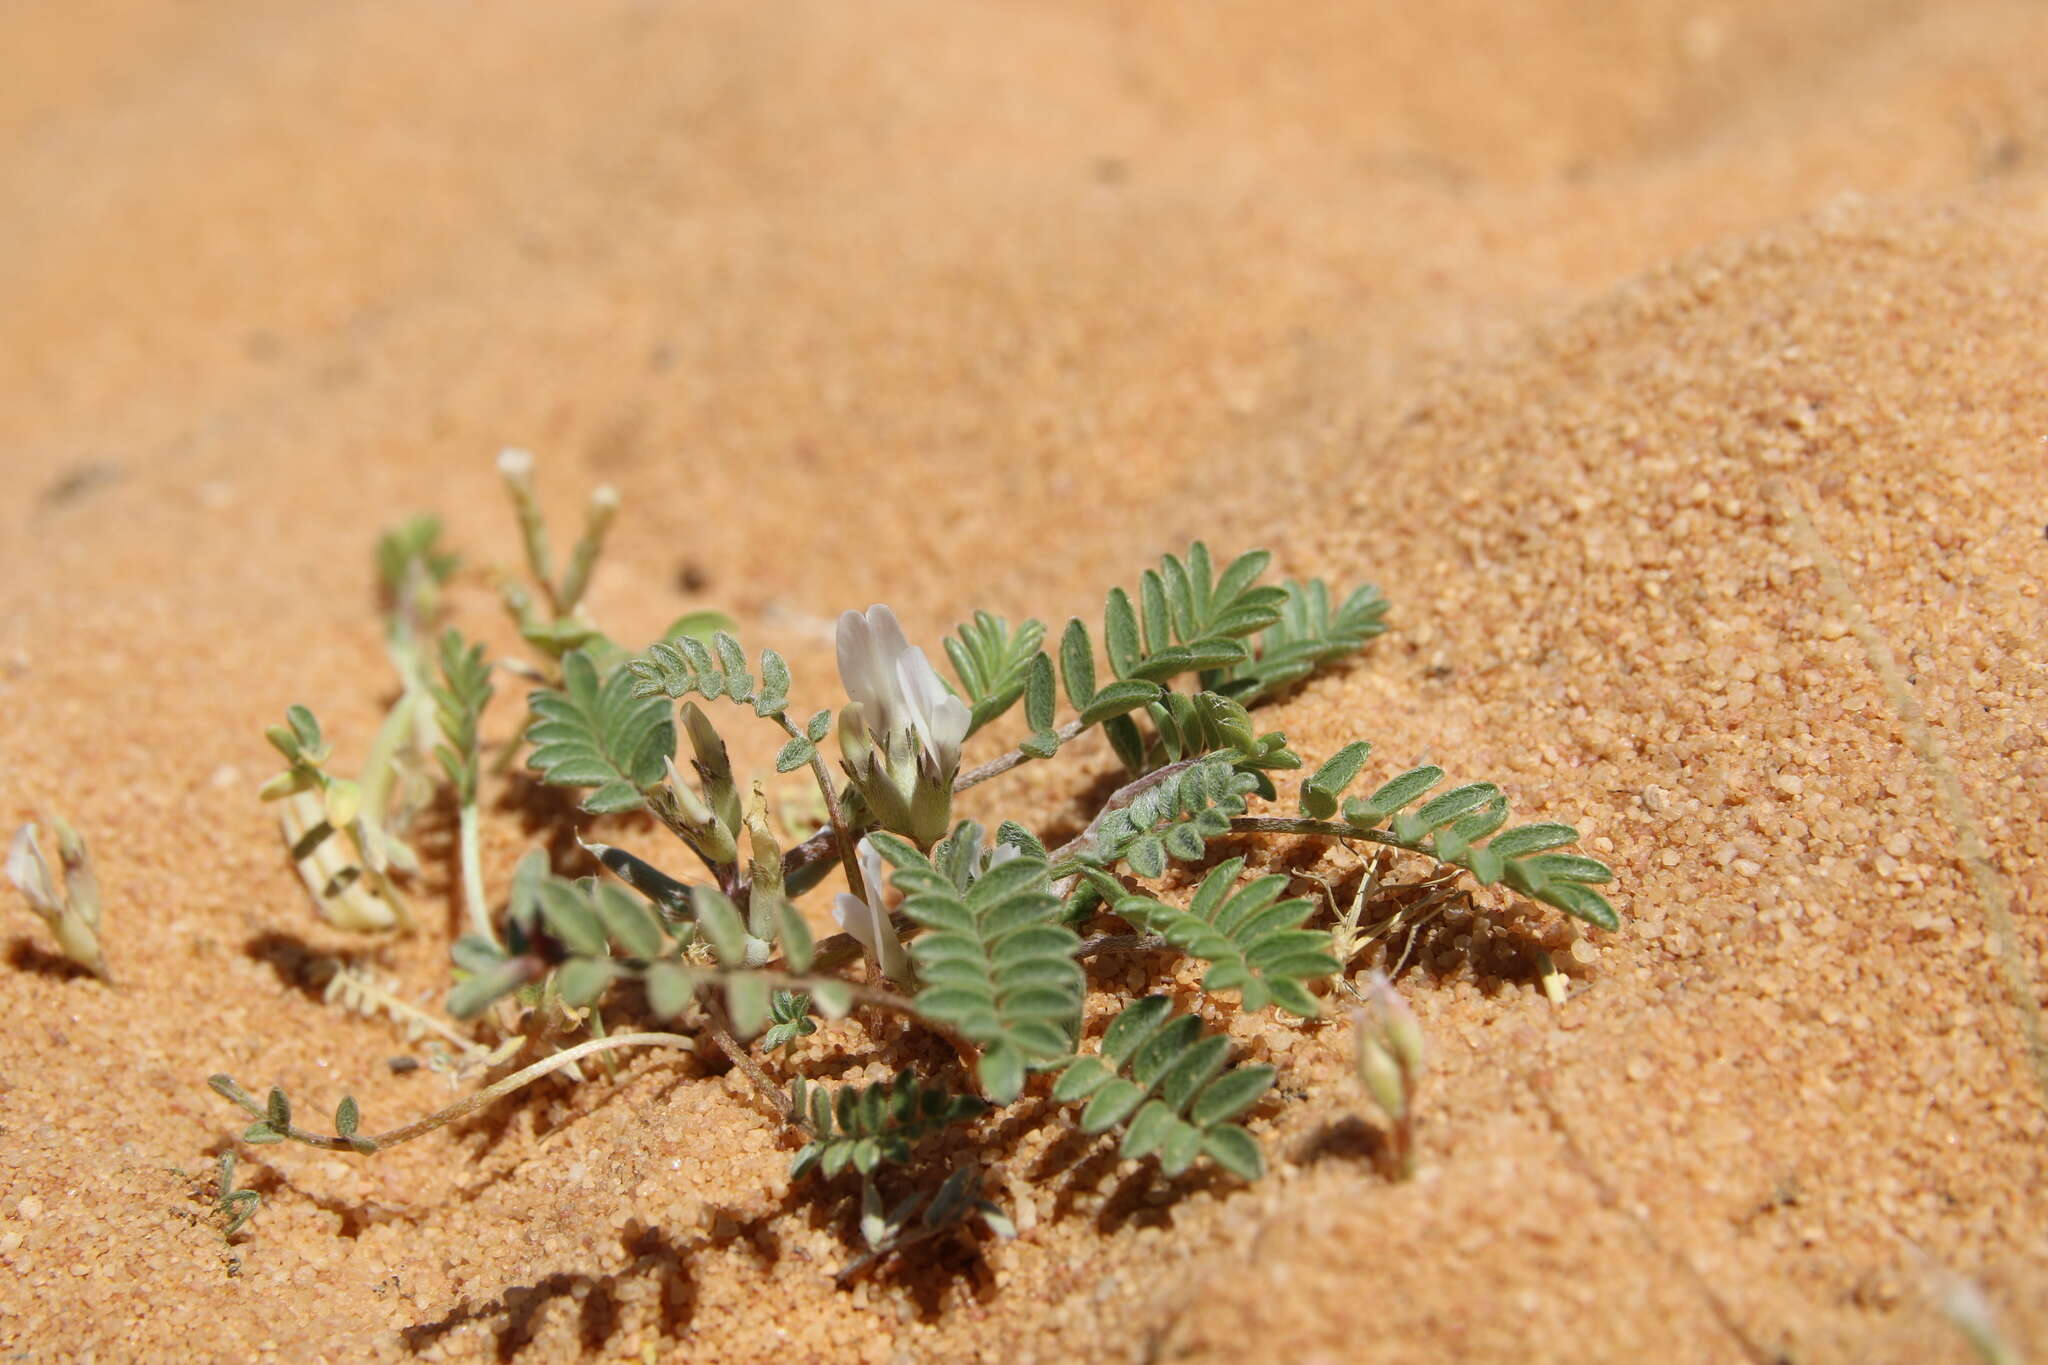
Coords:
518,1080
996,767
473,873
583,557
533,530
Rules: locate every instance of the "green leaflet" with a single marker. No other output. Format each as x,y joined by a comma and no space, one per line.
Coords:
1450,826
459,697
865,1126
996,964
1171,1089
1320,792
597,734
685,664
1252,939
1175,817
990,661
1307,636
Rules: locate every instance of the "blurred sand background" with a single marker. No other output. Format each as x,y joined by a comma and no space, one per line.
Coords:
1677,369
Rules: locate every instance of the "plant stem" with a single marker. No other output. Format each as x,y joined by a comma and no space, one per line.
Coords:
802,866
399,726
867,1260
473,873
516,468
604,502
1119,943
840,837
996,767
226,1087
1121,797
736,1052
1325,829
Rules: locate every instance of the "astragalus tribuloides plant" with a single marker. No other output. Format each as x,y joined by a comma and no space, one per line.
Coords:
990,941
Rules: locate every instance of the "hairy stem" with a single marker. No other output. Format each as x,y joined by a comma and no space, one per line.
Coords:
840,837
736,1052
604,502
516,468
996,767
1325,829
1119,943
1121,797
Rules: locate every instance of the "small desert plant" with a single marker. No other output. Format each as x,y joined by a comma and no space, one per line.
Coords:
73,915
232,1207
989,941
1387,1043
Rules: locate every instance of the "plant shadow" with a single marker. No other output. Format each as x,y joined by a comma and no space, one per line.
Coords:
657,1256
26,955
1349,1138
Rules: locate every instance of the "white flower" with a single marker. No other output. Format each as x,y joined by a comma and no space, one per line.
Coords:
902,729
868,922
27,870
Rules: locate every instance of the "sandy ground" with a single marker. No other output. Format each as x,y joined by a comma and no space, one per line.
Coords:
1677,371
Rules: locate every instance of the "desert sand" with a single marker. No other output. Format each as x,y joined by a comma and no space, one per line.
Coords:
1677,371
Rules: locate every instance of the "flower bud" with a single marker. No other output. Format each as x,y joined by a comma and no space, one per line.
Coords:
27,870
1381,1075
1397,1022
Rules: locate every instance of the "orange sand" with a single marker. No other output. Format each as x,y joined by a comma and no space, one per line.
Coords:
1677,371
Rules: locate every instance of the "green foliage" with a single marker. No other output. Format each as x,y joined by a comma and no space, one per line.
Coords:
304,748
996,963
1192,619
1207,722
232,1206
1449,828
790,1016
963,855
274,1121
1307,637
1187,620
863,1126
915,1217
1170,1087
1252,938
685,664
597,933
1320,791
410,560
991,663
459,701
803,745
1175,816
600,734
